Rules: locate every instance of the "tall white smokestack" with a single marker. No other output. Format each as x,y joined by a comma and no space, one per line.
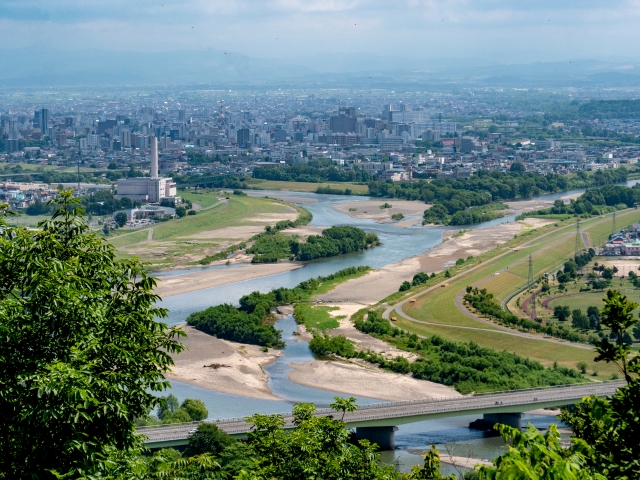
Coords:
154,157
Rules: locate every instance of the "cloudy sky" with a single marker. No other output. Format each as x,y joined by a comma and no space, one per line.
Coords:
492,30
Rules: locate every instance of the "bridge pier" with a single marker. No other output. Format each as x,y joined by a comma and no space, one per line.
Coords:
384,437
488,420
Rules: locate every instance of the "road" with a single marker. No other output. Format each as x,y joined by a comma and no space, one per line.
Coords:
398,413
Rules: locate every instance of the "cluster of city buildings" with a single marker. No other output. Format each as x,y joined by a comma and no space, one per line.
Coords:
246,131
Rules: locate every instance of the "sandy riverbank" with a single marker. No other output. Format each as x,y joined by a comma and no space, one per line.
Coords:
371,209
189,282
381,283
239,367
351,379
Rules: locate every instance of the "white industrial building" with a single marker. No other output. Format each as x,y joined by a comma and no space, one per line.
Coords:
148,189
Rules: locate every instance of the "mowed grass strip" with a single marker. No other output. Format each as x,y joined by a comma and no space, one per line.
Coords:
317,316
240,211
543,351
205,199
129,239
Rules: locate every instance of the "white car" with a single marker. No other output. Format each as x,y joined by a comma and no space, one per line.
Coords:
192,431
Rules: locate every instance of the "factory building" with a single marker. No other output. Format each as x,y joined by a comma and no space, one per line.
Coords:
148,189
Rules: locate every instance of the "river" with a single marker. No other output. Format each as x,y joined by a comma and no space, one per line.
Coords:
397,243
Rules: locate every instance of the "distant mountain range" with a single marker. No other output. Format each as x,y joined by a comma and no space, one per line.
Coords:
40,68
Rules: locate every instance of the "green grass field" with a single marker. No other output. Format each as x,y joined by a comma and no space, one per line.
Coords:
175,242
317,317
303,186
540,350
439,305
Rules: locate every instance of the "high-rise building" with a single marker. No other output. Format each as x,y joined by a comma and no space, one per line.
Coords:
126,138
244,136
42,119
181,115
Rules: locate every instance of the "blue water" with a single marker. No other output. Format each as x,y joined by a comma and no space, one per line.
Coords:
398,243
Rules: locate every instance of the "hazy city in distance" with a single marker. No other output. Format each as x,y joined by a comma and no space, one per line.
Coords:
324,239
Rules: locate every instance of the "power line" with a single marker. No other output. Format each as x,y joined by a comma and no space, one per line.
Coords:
530,278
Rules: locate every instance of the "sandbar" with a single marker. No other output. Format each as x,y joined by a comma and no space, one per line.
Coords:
368,381
239,369
371,209
189,282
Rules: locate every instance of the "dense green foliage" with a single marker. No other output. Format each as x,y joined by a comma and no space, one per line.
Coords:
81,351
595,201
329,190
333,241
318,447
609,427
602,109
465,366
212,181
253,321
452,196
245,325
485,303
483,213
315,171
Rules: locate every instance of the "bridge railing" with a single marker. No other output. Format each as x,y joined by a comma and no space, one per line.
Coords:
461,401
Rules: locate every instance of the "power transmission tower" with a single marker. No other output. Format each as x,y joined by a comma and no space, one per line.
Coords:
578,246
530,279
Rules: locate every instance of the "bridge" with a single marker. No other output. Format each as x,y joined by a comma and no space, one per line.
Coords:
378,422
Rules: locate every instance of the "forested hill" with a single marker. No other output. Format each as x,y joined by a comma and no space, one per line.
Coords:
316,171
610,109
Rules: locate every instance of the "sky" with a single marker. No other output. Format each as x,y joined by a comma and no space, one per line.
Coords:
499,31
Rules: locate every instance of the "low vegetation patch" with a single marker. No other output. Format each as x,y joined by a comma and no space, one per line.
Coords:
253,321
465,366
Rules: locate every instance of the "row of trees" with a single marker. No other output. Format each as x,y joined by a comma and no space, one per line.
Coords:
452,196
465,366
315,171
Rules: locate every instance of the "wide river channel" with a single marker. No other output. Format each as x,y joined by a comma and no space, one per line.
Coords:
397,243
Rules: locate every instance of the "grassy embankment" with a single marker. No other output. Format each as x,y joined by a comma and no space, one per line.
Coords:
439,305
319,316
186,240
259,184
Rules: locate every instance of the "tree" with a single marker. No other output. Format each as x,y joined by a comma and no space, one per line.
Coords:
191,212
208,438
517,167
181,212
534,455
582,366
78,329
447,274
579,320
196,409
317,448
121,219
561,312
607,429
168,405
405,286
594,318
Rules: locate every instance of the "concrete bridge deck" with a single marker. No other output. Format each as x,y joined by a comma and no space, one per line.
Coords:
389,415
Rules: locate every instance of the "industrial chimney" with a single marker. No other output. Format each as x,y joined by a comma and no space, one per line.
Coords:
154,157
